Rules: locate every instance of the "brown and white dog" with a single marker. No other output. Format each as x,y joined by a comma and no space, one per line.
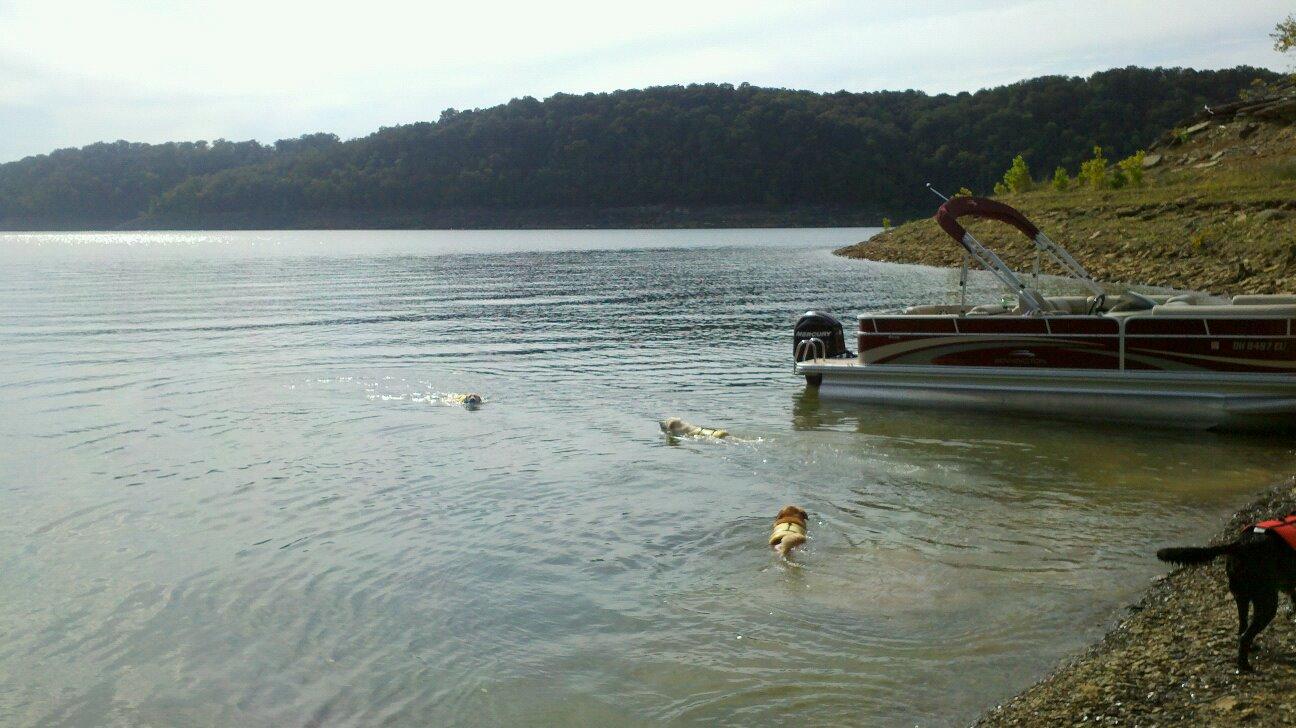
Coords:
789,530
675,427
471,400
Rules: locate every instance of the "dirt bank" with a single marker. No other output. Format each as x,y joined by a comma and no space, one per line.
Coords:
1217,213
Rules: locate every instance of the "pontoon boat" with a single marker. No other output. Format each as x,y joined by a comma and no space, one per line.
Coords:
1187,360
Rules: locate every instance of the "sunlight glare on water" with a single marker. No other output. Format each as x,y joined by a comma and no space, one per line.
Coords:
237,491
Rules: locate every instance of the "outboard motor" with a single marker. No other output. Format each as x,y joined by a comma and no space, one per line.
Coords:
822,326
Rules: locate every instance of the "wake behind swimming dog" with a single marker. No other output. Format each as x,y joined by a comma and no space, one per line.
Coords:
677,427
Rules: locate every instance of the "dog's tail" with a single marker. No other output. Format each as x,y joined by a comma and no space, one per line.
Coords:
1192,555
789,542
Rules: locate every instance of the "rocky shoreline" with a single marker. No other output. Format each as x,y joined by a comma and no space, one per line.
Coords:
1170,663
1179,242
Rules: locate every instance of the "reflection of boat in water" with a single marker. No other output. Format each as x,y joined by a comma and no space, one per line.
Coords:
891,444
1188,360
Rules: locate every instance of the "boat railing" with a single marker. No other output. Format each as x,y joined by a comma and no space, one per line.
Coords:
812,349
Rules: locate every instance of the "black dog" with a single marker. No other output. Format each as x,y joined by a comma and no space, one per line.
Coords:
1260,564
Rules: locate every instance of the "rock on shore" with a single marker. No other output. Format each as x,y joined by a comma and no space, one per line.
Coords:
1171,663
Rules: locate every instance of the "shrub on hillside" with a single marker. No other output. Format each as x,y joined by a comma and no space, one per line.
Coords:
1018,178
1061,180
1093,172
1132,168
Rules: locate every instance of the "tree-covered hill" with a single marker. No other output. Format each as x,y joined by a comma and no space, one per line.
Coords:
850,157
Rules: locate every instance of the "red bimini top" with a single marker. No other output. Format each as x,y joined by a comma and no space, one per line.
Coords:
955,207
1284,527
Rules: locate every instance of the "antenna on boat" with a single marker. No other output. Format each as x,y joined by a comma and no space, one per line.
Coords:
963,270
963,278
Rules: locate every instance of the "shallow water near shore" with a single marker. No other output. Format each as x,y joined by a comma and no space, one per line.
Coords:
234,490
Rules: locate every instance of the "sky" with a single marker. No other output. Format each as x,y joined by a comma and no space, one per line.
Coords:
74,72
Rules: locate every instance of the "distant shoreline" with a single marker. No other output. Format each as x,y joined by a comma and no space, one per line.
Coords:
565,218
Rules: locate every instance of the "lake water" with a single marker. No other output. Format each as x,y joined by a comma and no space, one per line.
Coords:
234,494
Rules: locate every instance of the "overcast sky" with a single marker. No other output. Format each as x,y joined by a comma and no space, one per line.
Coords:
77,72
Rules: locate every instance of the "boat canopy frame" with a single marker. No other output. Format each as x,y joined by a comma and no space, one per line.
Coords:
947,217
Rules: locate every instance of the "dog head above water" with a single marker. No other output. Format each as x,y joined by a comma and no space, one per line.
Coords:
674,426
792,512
472,399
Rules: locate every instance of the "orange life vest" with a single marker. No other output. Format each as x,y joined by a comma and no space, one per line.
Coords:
1284,527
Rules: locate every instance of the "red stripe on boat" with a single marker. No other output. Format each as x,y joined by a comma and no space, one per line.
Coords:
1084,325
1165,326
1248,327
916,324
1002,326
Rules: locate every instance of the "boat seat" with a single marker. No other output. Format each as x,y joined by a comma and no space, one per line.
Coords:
1264,299
1070,304
1279,310
1202,299
1131,302
988,309
934,309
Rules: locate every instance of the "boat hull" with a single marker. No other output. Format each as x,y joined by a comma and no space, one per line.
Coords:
1197,400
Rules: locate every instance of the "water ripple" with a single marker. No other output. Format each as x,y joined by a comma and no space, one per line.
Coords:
238,490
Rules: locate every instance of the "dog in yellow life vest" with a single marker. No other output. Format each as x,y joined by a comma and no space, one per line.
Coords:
470,400
676,427
789,530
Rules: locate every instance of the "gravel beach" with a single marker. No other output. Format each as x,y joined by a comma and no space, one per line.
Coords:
1170,662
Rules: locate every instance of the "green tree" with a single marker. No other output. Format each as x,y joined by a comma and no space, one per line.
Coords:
1284,34
1000,188
1132,167
1061,181
1284,37
886,223
1093,172
696,145
1018,177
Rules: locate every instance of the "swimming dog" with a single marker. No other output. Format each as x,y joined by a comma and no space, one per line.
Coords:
789,530
470,400
678,428
1261,563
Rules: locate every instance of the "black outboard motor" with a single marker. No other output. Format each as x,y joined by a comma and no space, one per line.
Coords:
822,326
